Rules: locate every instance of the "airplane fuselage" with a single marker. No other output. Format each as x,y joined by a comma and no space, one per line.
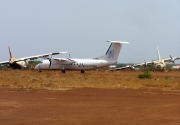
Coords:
77,64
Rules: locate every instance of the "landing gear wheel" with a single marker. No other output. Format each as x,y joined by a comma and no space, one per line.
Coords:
62,71
82,71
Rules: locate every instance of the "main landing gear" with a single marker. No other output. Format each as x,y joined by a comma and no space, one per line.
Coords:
63,71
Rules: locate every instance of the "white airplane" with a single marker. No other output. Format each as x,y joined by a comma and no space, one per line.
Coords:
63,64
159,64
22,62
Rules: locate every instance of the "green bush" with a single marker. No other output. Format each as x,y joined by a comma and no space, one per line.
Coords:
146,74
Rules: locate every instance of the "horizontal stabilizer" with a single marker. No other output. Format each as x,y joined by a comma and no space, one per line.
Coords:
59,53
118,42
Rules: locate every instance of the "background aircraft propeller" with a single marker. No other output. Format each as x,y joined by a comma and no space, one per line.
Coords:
145,64
172,59
153,62
133,67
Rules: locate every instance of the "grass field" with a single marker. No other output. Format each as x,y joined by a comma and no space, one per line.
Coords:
55,80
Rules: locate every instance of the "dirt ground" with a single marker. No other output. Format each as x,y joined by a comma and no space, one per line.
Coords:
98,98
89,106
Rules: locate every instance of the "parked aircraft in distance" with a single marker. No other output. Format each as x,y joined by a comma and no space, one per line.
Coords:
64,64
176,66
159,64
112,66
22,62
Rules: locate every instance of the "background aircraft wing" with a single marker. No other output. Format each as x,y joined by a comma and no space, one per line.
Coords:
134,67
127,67
171,59
4,62
167,60
39,56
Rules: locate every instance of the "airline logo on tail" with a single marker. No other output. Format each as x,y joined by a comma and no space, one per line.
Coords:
111,54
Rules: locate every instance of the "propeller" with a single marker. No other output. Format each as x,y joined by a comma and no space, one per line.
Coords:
70,58
153,62
172,59
26,64
50,58
50,61
145,64
132,66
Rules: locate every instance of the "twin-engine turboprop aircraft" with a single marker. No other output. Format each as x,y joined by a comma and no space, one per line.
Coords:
22,62
159,64
64,64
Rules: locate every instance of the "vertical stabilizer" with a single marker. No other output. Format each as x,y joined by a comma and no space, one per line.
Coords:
12,59
159,57
113,51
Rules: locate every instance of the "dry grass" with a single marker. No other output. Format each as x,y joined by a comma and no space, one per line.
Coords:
55,80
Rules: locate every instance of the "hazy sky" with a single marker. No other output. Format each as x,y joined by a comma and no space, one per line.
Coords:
82,28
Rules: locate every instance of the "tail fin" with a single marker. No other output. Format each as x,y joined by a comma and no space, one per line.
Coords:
12,59
113,51
159,57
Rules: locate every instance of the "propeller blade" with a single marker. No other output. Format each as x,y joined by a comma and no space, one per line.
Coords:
132,67
145,64
172,59
170,56
50,63
152,61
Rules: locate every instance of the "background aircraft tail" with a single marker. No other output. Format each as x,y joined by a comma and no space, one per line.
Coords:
159,57
113,51
12,59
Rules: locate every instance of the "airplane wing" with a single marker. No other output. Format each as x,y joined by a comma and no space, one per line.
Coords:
63,60
34,57
134,67
38,56
172,59
4,62
126,67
